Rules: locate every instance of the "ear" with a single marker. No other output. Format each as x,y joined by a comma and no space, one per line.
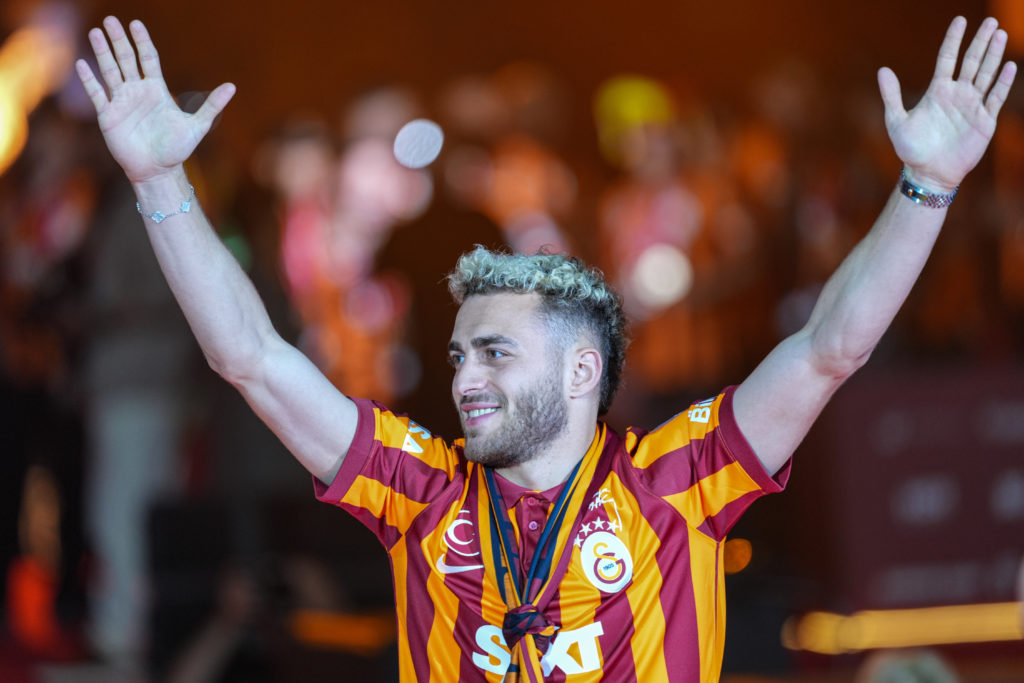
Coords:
586,372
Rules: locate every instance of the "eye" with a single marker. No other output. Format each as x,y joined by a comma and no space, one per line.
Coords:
455,359
494,354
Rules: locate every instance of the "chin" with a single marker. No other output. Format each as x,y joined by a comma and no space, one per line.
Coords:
481,454
496,461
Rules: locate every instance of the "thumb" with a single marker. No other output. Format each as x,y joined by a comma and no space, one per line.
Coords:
214,104
892,98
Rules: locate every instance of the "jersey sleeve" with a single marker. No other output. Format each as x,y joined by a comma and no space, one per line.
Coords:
392,471
701,464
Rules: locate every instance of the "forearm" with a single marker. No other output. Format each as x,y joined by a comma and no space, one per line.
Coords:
310,416
940,140
219,301
150,137
863,296
778,402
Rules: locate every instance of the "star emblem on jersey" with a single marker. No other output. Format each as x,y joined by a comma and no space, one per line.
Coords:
605,559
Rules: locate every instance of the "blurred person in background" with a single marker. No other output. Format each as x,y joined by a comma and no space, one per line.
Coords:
46,217
906,666
537,348
138,368
652,226
337,210
501,162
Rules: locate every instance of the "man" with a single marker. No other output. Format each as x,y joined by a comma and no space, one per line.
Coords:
545,545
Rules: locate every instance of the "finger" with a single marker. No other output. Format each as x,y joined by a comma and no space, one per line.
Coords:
892,97
1001,89
123,49
148,57
109,69
215,104
92,87
975,51
950,48
993,58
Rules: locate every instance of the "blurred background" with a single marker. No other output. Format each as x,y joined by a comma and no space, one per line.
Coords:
716,160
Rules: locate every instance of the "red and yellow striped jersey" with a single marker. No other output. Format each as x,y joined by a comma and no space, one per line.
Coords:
643,596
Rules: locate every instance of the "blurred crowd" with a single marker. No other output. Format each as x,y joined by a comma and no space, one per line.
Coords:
718,222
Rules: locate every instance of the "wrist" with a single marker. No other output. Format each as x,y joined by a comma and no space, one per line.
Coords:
929,183
164,196
926,192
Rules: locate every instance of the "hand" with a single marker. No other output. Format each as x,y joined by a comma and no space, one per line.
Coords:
945,135
146,132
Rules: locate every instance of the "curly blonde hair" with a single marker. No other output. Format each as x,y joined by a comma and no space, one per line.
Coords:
574,296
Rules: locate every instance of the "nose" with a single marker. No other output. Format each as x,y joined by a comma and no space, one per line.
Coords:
469,377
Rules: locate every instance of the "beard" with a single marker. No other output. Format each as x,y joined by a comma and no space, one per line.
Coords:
540,415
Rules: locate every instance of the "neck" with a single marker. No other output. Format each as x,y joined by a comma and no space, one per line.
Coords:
554,464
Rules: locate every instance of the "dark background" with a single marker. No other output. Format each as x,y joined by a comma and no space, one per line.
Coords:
829,541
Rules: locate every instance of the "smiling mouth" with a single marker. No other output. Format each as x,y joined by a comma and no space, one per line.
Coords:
480,411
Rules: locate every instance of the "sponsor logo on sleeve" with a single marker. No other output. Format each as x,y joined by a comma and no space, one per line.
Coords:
411,445
701,412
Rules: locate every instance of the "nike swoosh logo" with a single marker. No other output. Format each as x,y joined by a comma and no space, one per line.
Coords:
445,568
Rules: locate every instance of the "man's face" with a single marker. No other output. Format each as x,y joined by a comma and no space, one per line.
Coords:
508,384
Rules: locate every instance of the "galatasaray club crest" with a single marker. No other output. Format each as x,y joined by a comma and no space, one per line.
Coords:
605,559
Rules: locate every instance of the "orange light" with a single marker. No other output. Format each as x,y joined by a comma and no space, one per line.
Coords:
363,634
1010,14
13,125
833,634
34,61
737,555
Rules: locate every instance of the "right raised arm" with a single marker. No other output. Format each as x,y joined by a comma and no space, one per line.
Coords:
151,137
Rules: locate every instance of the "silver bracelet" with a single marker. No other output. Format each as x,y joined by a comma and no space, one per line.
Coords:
159,217
923,196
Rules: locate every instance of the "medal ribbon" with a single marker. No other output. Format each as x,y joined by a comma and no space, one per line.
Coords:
525,597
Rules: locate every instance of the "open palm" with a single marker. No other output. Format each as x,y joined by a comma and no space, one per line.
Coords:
145,130
945,135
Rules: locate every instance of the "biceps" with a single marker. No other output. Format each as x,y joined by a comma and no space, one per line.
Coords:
777,404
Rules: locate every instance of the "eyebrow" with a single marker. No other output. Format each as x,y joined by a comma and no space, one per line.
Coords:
481,342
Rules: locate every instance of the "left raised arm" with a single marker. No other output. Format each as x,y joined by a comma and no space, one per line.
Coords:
939,141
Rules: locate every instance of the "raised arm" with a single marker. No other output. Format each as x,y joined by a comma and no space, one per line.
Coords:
939,141
150,137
